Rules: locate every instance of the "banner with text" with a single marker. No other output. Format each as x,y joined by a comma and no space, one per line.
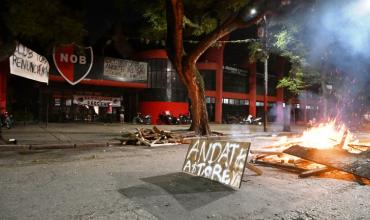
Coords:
125,70
28,64
100,101
222,161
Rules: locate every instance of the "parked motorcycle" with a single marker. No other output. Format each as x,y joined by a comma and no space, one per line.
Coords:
6,120
252,120
185,119
167,118
231,119
140,119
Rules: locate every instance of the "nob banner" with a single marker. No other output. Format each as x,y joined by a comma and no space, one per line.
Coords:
222,161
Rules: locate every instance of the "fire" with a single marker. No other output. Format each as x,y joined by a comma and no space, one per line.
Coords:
324,136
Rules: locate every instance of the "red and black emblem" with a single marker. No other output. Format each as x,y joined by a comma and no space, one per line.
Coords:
73,62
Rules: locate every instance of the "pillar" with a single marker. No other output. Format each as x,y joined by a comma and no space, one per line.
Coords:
280,91
4,70
216,55
252,88
219,91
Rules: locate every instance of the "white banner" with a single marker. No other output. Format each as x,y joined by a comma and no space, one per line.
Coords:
28,64
125,70
100,101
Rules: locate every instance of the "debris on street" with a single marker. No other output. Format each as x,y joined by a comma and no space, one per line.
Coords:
155,137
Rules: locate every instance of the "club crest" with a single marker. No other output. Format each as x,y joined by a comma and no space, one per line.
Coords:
73,62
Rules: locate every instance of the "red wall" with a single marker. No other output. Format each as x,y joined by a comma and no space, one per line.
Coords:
4,70
152,54
155,108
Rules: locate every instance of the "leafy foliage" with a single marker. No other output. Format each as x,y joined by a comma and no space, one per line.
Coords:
288,43
44,23
201,17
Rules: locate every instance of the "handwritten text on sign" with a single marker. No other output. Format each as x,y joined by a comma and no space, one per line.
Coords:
28,64
221,161
125,70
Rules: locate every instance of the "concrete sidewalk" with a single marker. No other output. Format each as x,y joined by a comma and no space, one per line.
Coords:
90,133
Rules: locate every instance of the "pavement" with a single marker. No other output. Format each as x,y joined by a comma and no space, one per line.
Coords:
139,182
100,133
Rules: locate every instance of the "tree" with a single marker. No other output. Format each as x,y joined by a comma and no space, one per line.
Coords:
209,21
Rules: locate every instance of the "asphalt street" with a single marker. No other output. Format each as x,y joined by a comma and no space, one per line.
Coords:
137,182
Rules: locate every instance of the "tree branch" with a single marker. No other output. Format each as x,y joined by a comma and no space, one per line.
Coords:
175,48
234,22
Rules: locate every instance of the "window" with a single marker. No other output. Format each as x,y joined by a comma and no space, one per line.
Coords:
235,80
209,78
210,99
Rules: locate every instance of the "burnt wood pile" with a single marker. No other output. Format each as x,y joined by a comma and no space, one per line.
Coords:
155,137
308,162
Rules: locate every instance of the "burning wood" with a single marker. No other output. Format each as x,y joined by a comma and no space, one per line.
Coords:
321,149
357,164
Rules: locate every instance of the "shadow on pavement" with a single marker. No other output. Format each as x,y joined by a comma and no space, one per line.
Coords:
190,192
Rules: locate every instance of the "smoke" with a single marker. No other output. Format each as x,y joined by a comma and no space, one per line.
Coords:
337,36
340,32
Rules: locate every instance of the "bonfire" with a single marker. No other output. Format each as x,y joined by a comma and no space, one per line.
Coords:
320,149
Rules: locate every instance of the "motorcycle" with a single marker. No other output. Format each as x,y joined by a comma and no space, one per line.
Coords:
167,118
140,119
7,120
231,119
252,120
185,119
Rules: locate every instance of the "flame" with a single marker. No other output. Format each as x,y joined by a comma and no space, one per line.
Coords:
324,136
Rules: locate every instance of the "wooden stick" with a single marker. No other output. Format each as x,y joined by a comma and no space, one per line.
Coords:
283,166
314,172
340,146
270,152
253,168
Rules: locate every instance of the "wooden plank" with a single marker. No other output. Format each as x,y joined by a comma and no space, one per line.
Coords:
357,164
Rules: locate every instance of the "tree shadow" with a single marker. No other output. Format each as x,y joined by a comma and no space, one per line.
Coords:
190,192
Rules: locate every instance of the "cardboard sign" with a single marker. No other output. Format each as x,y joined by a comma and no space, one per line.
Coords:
28,64
221,161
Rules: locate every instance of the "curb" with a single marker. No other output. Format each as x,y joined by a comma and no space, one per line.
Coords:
26,147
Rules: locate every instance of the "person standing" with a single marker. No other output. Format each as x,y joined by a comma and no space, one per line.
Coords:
110,112
122,115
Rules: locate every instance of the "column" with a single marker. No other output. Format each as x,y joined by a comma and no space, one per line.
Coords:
4,70
252,88
280,91
219,90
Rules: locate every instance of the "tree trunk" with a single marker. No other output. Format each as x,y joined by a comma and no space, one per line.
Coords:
198,105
